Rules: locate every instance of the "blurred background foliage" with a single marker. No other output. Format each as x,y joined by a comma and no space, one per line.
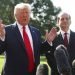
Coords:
44,13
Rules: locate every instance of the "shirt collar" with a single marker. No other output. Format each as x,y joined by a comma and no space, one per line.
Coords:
62,32
20,26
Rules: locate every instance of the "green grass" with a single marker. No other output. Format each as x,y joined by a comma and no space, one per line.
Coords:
1,62
42,58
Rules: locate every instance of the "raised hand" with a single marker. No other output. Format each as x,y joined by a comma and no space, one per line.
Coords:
50,36
2,29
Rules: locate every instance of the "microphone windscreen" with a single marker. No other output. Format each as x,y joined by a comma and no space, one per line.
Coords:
42,69
61,57
73,63
73,67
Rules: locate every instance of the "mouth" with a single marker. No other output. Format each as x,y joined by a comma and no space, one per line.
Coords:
24,19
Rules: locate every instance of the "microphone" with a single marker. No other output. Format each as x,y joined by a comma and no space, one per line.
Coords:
42,69
73,63
61,56
73,66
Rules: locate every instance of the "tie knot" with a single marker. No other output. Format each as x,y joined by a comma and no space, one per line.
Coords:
65,33
23,27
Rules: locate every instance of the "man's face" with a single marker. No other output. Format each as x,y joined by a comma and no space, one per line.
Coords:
23,16
64,21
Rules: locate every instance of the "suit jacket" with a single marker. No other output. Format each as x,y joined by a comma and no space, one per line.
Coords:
71,50
16,58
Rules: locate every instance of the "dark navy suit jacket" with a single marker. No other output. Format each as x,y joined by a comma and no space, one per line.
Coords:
71,50
16,58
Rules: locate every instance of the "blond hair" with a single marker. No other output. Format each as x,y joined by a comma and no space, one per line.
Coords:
22,6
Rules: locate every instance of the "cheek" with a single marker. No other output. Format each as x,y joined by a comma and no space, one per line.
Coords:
60,23
20,18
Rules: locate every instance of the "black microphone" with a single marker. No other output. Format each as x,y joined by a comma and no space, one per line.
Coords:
42,69
73,67
61,56
73,63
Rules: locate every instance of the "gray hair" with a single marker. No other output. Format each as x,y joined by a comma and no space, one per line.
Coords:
22,6
61,13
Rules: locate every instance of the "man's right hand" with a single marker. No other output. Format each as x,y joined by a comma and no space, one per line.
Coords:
2,30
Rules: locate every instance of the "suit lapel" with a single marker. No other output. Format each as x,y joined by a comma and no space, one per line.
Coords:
70,39
34,40
33,35
59,39
18,35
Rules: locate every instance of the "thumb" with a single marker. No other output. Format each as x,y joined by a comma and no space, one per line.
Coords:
46,34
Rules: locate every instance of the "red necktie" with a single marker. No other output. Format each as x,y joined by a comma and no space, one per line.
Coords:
29,51
65,39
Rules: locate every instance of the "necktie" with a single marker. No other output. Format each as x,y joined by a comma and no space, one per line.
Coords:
65,39
29,51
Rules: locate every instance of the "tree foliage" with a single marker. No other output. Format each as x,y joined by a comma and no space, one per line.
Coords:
44,13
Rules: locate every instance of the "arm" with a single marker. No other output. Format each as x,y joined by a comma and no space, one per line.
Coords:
2,36
47,45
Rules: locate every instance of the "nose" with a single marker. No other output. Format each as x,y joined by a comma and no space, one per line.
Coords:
65,19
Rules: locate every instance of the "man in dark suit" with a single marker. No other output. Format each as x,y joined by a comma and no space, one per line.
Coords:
22,43
64,21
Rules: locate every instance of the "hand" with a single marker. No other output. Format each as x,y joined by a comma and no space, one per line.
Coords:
2,29
50,36
1,21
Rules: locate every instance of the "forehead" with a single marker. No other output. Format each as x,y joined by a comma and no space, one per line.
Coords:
64,15
24,10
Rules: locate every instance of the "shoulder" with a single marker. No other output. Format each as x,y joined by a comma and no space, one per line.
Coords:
34,29
72,32
10,27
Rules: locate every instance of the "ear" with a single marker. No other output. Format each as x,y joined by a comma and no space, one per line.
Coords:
69,22
58,22
69,19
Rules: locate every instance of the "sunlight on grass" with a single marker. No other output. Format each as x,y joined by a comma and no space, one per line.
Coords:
1,62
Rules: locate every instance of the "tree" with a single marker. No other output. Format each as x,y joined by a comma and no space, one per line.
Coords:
7,9
45,15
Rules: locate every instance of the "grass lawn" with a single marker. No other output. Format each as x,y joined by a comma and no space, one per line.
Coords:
42,58
1,62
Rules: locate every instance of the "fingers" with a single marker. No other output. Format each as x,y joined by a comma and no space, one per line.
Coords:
1,21
53,30
2,30
51,35
46,34
2,26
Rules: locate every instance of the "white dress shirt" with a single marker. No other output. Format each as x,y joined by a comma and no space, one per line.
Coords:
68,34
27,31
